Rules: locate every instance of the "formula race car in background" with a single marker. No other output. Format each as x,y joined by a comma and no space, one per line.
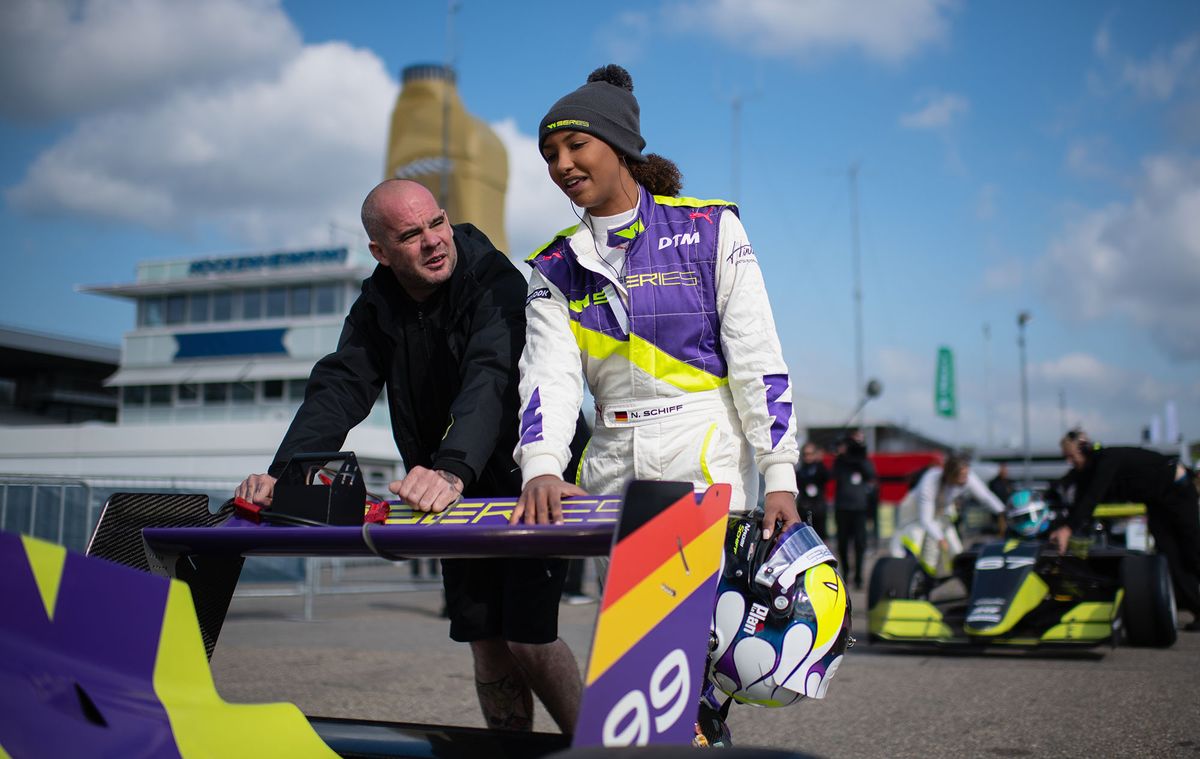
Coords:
1018,591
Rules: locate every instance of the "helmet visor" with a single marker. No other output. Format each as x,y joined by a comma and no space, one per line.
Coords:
798,549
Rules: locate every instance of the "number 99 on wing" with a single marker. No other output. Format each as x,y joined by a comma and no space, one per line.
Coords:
640,714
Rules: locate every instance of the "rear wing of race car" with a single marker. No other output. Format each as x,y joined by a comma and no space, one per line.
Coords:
643,676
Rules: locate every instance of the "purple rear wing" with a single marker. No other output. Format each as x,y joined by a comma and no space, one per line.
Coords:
97,659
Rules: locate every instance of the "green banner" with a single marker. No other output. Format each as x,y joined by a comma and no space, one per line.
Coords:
943,389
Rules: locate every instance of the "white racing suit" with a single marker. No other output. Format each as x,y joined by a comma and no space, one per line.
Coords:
936,514
679,350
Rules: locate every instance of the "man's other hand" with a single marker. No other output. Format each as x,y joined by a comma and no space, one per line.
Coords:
779,506
541,500
257,488
430,490
1060,538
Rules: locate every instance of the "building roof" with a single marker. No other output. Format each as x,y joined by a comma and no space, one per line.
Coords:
242,270
25,350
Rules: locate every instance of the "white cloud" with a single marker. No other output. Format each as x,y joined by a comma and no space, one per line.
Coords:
885,30
1158,77
70,57
627,38
1078,368
1086,158
1006,276
1138,260
1102,40
272,161
938,110
1109,400
985,204
534,208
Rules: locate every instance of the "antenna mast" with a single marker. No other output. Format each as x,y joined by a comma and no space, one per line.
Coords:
857,267
444,185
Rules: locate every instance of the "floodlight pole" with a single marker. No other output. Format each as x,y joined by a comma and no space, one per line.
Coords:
735,168
444,185
857,266
987,383
1022,319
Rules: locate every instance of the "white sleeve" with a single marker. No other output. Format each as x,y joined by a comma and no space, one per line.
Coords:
551,383
983,493
926,502
758,375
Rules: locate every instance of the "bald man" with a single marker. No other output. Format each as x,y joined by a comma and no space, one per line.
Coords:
441,324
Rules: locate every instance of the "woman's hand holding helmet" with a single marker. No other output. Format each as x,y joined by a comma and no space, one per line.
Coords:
779,509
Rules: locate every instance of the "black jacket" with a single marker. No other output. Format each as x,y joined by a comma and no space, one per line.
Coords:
854,481
1119,475
816,475
449,365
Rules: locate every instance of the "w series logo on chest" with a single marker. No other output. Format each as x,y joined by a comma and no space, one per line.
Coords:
662,279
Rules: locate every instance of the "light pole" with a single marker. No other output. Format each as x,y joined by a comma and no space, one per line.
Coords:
1022,319
857,266
870,391
987,381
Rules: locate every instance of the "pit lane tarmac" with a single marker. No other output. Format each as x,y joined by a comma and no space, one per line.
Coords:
386,656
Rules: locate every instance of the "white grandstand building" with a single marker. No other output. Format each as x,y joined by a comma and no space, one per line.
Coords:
212,373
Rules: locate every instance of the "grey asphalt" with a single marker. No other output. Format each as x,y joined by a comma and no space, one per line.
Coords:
386,656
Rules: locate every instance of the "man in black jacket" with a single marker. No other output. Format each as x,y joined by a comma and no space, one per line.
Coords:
441,324
854,488
1137,475
811,478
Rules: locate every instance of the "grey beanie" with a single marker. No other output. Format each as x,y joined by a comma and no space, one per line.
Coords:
604,107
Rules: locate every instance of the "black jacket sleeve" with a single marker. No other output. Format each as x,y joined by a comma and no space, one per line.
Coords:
341,390
487,401
1090,488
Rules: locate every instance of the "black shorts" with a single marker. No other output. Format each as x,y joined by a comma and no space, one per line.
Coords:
512,599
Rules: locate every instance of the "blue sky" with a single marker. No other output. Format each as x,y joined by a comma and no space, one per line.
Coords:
1013,156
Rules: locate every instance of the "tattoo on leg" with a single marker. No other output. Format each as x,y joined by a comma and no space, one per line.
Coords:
507,703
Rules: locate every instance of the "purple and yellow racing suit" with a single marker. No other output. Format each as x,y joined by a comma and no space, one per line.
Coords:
678,348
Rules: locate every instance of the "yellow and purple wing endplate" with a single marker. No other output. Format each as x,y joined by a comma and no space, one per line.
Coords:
647,662
103,660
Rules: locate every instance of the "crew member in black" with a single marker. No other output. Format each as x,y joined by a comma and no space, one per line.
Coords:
811,478
1000,485
1139,475
441,324
854,486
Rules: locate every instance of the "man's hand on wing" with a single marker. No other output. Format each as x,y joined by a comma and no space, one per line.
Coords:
779,509
429,490
541,500
257,488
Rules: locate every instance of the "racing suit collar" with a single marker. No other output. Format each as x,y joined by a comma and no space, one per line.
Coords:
623,234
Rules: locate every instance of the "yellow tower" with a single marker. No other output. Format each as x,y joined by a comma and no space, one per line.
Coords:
458,157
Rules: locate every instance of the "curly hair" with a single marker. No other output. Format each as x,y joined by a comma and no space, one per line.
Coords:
658,175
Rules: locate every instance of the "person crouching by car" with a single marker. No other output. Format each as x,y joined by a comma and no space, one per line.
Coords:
1138,475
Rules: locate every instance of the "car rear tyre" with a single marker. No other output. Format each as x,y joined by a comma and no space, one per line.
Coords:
891,578
1148,611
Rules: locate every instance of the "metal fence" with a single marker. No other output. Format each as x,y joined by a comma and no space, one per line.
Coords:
65,510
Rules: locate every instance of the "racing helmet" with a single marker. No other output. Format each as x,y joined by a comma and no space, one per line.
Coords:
781,620
1028,514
